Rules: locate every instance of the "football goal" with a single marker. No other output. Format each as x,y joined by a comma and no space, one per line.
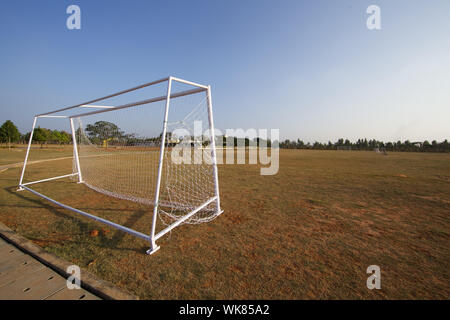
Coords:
158,151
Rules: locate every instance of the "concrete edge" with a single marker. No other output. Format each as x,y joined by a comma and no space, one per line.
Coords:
89,282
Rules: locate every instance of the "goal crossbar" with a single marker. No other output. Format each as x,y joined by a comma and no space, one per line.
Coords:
138,103
88,104
108,96
190,211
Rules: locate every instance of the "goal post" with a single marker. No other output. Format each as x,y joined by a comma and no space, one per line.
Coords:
75,152
118,151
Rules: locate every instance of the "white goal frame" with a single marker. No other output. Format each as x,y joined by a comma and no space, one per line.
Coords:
153,236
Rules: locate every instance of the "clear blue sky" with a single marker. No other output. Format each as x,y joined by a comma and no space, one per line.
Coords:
310,68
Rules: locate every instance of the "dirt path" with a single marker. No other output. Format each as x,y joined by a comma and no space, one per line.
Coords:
20,164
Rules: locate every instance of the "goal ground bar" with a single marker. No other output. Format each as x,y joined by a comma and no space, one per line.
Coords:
180,221
115,225
110,223
48,179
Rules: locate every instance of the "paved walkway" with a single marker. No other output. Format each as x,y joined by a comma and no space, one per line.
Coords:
24,278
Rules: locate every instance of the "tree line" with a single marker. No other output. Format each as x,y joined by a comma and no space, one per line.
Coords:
344,144
370,145
10,134
103,131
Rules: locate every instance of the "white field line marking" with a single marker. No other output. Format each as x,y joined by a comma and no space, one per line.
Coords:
19,164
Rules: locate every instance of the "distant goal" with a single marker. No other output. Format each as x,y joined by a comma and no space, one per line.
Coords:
158,151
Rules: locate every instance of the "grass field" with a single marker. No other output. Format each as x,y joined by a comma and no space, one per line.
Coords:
309,232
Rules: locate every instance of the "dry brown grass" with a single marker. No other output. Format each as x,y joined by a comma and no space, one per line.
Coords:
308,232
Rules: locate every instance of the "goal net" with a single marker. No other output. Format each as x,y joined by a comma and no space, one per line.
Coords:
158,152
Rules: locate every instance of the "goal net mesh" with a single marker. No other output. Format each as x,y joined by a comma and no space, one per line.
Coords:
119,153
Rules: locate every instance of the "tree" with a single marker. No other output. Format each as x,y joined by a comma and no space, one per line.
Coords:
55,136
59,137
65,137
40,135
9,132
317,145
3,137
389,146
102,131
445,146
